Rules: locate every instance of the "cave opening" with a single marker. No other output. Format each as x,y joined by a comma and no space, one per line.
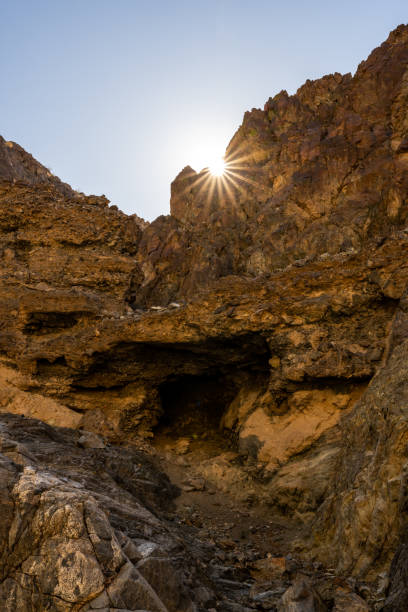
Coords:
193,407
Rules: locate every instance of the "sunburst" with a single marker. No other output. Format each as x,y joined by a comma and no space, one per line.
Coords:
225,176
217,167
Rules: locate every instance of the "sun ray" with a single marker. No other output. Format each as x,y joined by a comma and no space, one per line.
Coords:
219,188
229,191
196,183
237,165
206,183
230,179
226,177
235,184
210,192
236,156
247,180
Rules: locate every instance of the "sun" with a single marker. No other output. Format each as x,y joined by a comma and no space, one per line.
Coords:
217,167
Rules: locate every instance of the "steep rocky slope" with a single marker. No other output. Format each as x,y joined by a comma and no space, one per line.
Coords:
256,336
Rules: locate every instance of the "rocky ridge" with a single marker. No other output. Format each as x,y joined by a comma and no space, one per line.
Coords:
257,334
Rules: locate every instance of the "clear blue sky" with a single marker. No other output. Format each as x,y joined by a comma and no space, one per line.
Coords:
117,96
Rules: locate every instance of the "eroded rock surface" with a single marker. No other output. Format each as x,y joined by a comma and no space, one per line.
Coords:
258,334
79,527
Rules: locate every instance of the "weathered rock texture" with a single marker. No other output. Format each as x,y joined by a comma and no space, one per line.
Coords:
74,541
273,298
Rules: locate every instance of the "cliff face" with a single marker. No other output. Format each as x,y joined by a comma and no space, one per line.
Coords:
269,308
323,171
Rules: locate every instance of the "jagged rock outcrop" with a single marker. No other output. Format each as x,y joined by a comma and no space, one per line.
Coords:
18,166
322,171
272,299
70,541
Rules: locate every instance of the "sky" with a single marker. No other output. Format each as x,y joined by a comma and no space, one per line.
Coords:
117,96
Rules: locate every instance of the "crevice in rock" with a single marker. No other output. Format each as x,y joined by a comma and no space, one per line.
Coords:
39,323
54,367
338,385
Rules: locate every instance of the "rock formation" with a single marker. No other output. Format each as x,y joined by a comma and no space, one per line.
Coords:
257,336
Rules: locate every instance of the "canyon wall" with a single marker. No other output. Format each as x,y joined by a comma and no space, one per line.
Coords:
282,284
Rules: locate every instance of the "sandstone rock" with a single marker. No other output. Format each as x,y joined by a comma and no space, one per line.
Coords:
194,484
90,440
269,568
61,548
349,601
365,507
310,414
182,446
130,591
289,343
14,399
301,597
161,575
397,592
18,166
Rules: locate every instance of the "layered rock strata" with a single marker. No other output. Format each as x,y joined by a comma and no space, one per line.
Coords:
274,298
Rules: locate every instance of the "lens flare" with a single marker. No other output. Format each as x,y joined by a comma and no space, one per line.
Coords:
217,167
